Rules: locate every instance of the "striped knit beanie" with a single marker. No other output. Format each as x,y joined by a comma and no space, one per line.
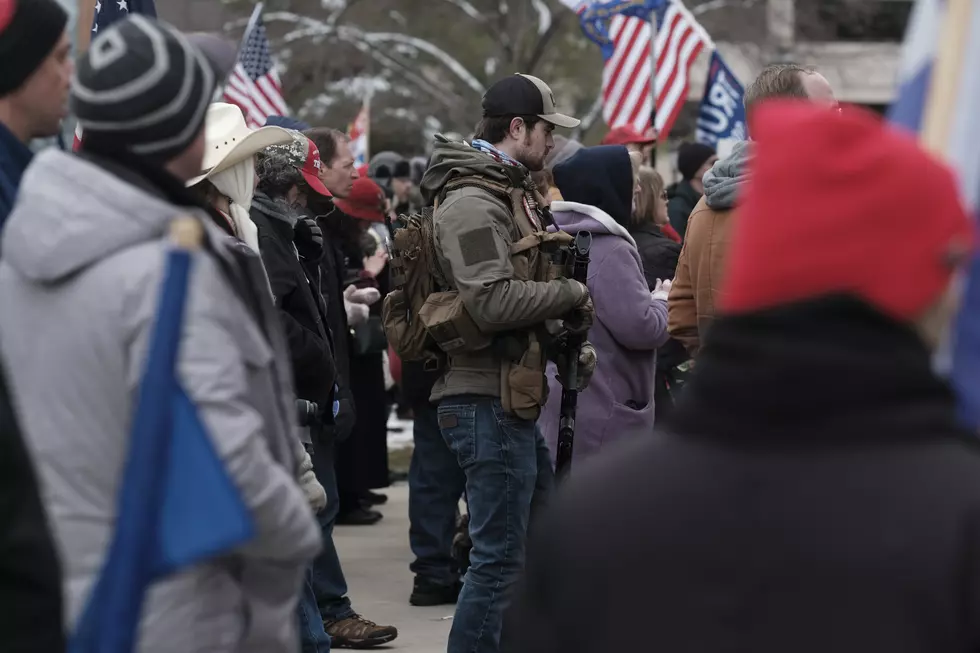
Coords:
144,87
29,31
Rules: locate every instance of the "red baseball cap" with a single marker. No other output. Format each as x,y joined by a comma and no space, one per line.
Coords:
311,170
627,135
842,203
304,155
366,201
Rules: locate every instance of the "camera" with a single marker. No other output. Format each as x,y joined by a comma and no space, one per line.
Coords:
306,412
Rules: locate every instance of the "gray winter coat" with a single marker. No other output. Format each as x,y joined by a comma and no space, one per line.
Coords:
82,261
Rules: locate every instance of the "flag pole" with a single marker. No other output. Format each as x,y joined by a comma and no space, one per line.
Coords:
85,16
367,127
654,58
938,115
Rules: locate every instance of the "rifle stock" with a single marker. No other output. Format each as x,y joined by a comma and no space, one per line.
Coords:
580,250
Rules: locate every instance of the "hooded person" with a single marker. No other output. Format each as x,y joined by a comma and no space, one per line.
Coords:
814,491
700,269
79,308
36,52
693,161
598,185
227,178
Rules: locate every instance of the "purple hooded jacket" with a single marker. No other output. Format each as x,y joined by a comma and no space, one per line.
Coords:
628,328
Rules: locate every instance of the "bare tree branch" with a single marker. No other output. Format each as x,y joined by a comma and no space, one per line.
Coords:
468,8
595,111
541,46
714,5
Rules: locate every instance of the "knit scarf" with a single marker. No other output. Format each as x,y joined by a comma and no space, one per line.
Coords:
487,148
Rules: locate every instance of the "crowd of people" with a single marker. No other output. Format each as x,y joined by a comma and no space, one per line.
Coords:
764,458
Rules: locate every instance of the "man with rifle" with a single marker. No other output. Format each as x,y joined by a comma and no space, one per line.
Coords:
495,319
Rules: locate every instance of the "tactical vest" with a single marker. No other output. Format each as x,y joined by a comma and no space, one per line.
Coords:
424,316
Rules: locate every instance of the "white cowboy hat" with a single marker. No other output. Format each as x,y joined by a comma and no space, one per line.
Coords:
230,141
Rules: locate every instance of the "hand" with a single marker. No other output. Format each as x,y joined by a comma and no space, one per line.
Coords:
587,361
366,296
662,290
580,320
315,494
374,264
356,313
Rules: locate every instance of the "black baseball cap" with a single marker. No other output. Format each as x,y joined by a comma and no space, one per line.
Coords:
524,95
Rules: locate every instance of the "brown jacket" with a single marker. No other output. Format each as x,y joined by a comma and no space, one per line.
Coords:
700,270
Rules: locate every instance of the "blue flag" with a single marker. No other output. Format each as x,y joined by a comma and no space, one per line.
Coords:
177,504
109,11
722,114
960,355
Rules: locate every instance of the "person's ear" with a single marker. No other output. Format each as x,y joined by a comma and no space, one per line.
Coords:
517,128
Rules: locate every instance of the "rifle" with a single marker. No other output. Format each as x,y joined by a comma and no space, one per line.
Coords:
579,252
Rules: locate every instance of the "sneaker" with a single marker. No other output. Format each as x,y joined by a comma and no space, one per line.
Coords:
359,517
357,632
427,592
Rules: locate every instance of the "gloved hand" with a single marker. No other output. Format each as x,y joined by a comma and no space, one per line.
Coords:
356,313
587,361
365,296
662,290
309,238
315,494
580,319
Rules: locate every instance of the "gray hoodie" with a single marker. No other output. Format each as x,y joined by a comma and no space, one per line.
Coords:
723,182
83,258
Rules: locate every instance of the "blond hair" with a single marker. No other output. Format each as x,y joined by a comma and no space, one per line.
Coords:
651,187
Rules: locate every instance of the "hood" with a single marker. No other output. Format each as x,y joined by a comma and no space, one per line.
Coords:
456,159
72,213
573,217
725,179
601,177
275,209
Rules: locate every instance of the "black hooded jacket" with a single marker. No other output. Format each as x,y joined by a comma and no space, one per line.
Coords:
815,494
299,302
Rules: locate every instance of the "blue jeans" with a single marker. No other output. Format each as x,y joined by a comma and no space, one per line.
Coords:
313,636
327,577
506,463
435,484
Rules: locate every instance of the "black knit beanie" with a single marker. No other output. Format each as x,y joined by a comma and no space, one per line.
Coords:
144,87
29,31
691,156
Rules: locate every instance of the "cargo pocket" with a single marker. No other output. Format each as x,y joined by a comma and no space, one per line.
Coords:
525,390
457,423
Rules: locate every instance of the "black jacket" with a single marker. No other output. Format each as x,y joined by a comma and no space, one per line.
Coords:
30,574
681,200
300,306
815,495
658,253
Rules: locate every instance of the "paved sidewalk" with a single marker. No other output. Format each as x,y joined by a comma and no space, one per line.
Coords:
375,560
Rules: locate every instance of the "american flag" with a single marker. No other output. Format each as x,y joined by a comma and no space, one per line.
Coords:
106,13
939,97
624,31
254,84
359,134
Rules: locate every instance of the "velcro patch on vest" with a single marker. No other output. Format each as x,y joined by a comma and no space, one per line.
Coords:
478,246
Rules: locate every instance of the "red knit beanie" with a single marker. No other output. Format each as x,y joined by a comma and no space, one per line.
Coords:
842,203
